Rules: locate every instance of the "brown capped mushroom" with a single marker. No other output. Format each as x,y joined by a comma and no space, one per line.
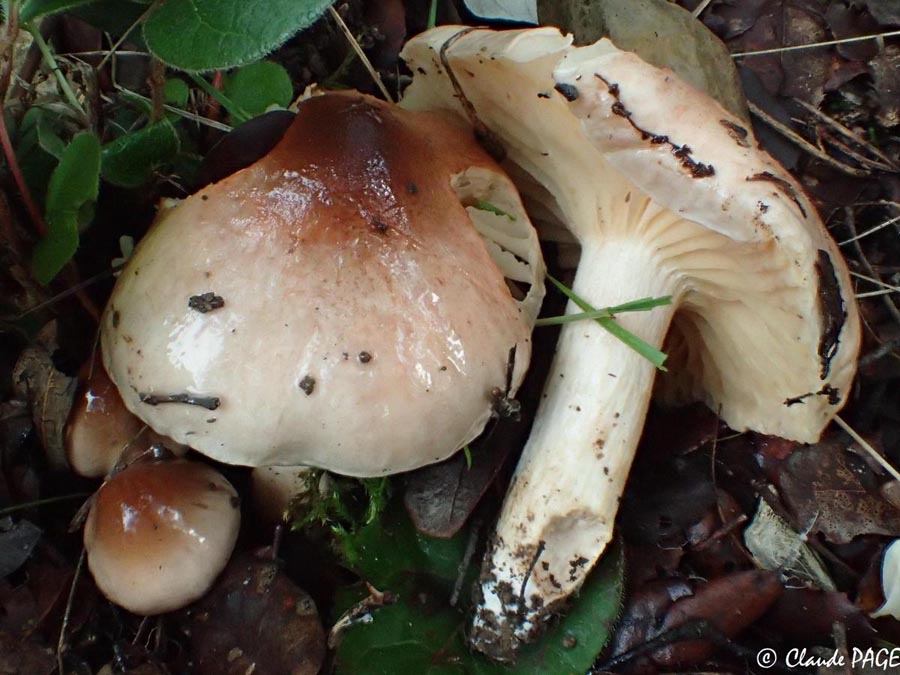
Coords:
100,430
668,195
320,305
159,532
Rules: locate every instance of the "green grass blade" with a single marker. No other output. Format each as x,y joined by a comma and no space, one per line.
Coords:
645,349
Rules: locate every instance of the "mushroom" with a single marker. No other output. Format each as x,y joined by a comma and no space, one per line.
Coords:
275,488
668,195
342,303
100,431
159,532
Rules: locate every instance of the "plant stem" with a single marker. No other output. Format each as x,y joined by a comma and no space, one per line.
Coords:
43,502
12,161
47,53
232,108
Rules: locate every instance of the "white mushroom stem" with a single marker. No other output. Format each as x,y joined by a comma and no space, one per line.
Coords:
559,513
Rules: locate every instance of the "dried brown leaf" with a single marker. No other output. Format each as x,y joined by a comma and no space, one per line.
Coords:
256,620
823,487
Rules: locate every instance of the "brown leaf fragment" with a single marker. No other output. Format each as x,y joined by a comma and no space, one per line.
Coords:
49,391
885,12
20,656
886,73
849,22
255,620
730,604
16,544
644,610
439,498
807,616
805,70
823,486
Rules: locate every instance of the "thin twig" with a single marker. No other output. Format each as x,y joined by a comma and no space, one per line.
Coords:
143,17
13,163
72,290
848,133
875,294
804,144
698,10
361,54
879,352
871,230
877,282
61,644
865,445
50,60
199,119
827,43
850,221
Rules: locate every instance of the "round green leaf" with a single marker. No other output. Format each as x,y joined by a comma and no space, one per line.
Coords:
72,190
176,92
199,35
129,160
32,9
422,633
255,87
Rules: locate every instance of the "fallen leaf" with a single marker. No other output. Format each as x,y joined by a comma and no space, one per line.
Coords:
823,487
644,611
807,616
886,75
20,656
776,546
729,603
886,12
242,146
16,544
49,391
255,620
848,22
520,11
440,498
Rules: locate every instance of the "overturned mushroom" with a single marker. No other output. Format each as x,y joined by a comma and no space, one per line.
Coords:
667,194
319,306
159,532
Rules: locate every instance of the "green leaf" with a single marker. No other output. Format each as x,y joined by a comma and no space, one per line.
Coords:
255,87
115,17
71,193
129,161
200,35
35,161
421,633
386,551
48,135
176,92
32,9
640,305
574,643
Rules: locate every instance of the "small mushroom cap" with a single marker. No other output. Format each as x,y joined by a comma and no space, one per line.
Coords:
334,304
99,425
614,149
159,533
101,431
274,488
